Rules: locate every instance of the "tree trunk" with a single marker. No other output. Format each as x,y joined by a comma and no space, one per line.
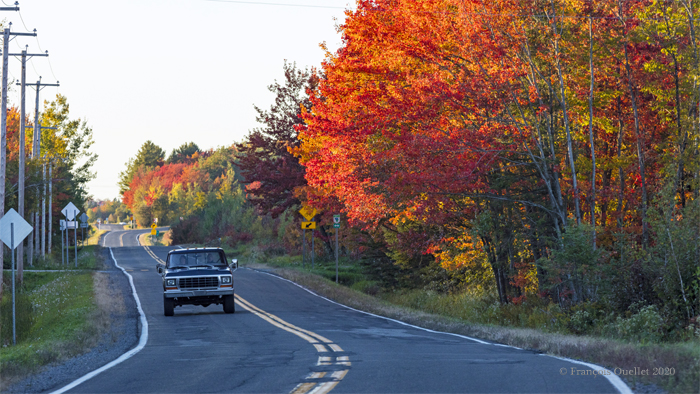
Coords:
640,142
590,128
566,120
326,240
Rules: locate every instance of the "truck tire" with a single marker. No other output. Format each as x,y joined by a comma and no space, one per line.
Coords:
168,306
229,304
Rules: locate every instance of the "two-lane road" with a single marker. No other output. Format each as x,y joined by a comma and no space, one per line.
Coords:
283,338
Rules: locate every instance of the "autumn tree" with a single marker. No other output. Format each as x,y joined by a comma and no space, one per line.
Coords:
271,173
149,155
183,152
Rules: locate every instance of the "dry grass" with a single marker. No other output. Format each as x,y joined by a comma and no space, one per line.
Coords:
684,357
110,304
71,314
164,239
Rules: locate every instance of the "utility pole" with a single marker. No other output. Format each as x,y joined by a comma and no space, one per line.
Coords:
50,198
36,153
36,147
3,118
22,149
43,209
3,128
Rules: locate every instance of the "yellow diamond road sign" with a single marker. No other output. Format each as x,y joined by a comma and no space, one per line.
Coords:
308,225
153,226
308,212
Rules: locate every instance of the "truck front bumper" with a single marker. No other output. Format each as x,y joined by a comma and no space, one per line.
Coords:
197,293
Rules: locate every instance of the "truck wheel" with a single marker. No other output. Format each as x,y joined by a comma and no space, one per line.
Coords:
168,306
229,304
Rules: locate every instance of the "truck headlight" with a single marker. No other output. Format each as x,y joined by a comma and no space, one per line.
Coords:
170,282
226,280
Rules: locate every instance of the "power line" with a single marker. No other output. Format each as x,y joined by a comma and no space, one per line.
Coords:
278,4
478,14
40,49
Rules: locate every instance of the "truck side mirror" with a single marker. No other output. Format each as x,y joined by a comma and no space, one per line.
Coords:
234,264
159,268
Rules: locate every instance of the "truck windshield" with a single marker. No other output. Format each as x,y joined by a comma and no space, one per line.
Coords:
195,259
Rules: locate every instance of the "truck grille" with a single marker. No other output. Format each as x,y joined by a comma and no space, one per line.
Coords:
198,283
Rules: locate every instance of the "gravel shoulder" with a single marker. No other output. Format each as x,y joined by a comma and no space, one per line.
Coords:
115,300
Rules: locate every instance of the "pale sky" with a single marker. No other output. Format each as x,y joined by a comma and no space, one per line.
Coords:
172,71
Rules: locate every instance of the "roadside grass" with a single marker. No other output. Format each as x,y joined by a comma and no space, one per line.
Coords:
161,239
57,316
466,315
95,236
88,259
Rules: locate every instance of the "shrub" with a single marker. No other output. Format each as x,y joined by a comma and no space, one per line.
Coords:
644,326
367,286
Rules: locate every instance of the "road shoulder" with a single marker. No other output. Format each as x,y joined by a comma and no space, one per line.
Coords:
114,299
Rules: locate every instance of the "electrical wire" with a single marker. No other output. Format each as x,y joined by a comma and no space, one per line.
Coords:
278,4
48,59
478,14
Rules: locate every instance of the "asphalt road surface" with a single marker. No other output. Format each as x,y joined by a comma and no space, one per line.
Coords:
284,339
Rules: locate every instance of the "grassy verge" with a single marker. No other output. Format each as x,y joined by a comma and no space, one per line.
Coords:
161,239
444,313
57,316
88,259
94,237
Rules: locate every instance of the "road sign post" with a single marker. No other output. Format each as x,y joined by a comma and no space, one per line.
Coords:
18,230
12,252
83,225
75,234
313,251
308,213
336,225
70,211
62,224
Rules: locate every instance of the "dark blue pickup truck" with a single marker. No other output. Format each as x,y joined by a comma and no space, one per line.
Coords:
197,276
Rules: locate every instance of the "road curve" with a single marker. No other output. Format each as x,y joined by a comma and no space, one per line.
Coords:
284,339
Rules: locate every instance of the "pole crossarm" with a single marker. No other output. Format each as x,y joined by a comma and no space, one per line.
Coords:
33,34
41,85
28,55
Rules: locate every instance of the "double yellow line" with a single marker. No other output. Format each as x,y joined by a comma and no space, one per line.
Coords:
150,252
317,383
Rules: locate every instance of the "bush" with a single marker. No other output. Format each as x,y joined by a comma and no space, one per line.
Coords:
367,286
645,327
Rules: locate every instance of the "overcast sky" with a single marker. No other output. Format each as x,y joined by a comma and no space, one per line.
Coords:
172,71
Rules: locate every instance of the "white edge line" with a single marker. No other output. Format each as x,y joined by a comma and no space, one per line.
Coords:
614,380
372,314
142,340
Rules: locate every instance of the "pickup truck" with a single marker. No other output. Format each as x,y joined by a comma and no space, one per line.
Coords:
197,276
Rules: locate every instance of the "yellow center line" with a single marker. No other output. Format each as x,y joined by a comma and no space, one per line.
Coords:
121,240
311,337
247,306
303,388
313,334
150,252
